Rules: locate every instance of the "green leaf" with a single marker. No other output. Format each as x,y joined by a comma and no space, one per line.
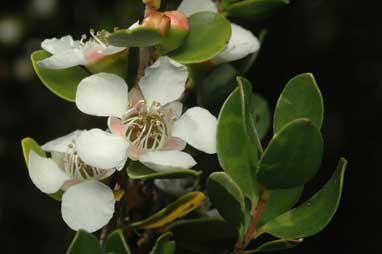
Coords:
205,235
313,215
209,35
262,115
84,243
301,98
138,37
63,82
236,153
164,245
28,145
278,202
115,243
255,9
175,210
276,245
292,157
138,171
227,197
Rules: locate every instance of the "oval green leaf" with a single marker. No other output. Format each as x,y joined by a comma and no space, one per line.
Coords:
208,36
164,245
313,215
276,245
84,243
292,157
255,9
262,114
115,243
175,210
63,82
301,98
138,37
138,171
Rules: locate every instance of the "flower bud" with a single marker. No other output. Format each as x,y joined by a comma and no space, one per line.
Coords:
152,3
157,20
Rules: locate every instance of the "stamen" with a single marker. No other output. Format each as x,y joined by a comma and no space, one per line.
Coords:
96,37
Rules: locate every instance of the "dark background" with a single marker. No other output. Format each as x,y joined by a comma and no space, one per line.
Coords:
339,41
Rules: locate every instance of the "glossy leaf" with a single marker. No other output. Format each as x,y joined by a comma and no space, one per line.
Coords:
276,245
63,82
138,37
255,9
138,171
164,245
237,153
84,243
313,215
227,197
208,36
28,145
115,243
301,98
262,114
292,157
175,210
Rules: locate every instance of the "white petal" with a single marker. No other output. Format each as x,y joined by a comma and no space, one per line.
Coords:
102,94
164,81
173,110
110,50
197,127
241,44
135,96
88,205
64,59
166,160
177,187
135,25
101,149
55,45
45,173
61,144
189,7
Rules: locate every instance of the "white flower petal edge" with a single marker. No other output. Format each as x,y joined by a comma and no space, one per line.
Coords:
164,81
102,94
101,149
166,160
241,44
189,7
45,173
173,110
88,205
65,59
197,127
61,144
55,45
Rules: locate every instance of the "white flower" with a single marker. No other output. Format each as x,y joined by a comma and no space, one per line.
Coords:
242,42
151,122
86,203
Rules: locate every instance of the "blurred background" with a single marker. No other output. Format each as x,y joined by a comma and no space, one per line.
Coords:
339,41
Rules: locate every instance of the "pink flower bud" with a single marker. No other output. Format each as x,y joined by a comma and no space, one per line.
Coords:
178,20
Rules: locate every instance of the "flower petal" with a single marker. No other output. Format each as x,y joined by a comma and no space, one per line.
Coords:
61,144
116,126
241,44
177,187
167,160
189,7
110,50
135,96
197,127
55,45
45,173
164,81
175,144
102,94
65,59
173,110
101,149
88,205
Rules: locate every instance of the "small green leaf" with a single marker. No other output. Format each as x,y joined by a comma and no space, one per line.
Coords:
255,9
28,145
292,157
138,171
115,243
175,210
313,215
84,243
164,245
262,114
236,153
301,98
227,197
138,37
209,35
63,82
276,245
